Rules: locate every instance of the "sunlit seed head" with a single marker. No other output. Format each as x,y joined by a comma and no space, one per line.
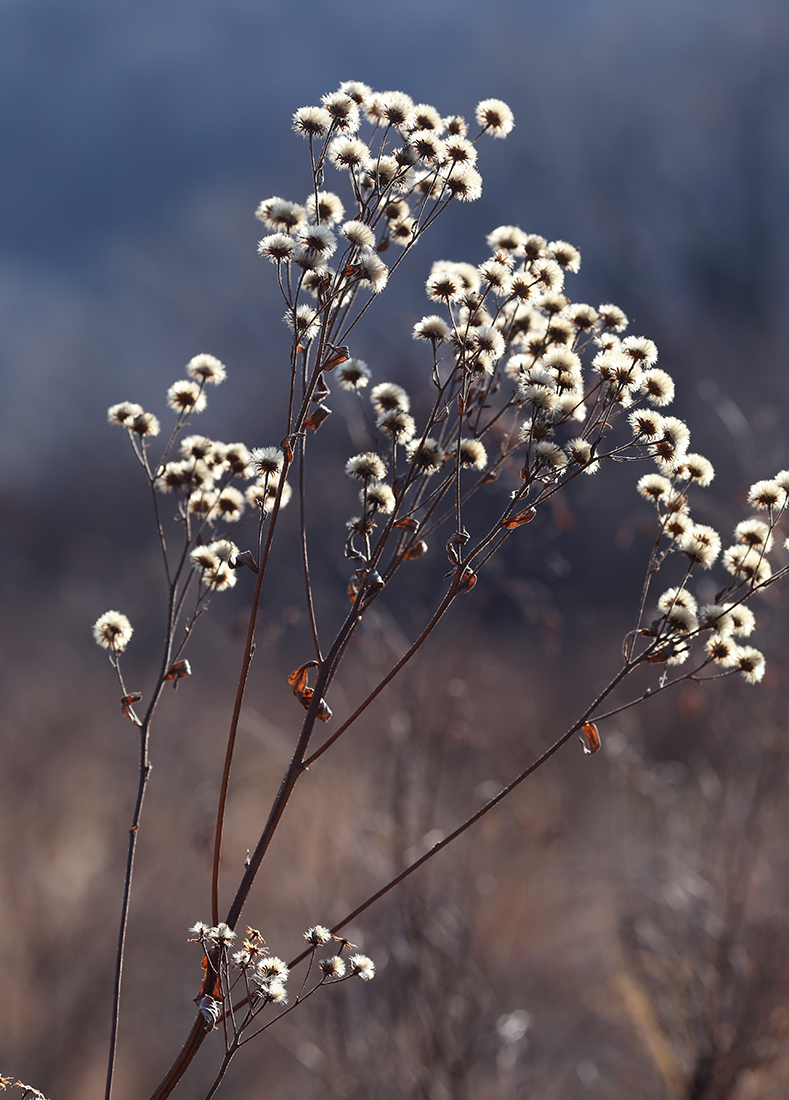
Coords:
358,92
755,533
366,467
427,117
701,544
353,374
751,663
124,413
304,321
716,617
613,317
388,395
743,620
280,214
456,125
343,110
329,208
766,494
645,424
186,397
196,446
722,649
548,275
145,424
201,502
550,455
698,469
524,287
495,117
442,286
464,183
379,497
658,387
319,238
230,504
506,238
277,247
432,328
677,597
204,558
534,247
372,272
267,460
566,255
747,562
584,317
348,152
380,172
358,234
425,455
398,424
640,350
458,150
580,451
397,108
333,967
238,459
428,146
312,122
473,454
681,618
677,525
489,341
362,967
496,276
112,631
318,936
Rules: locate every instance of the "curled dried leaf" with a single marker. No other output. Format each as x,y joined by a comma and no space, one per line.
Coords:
591,738
335,357
178,670
317,417
468,580
526,516
415,550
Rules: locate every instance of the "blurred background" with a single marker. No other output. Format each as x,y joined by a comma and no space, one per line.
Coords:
618,928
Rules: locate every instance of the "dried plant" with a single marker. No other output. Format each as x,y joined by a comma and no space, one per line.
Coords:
524,392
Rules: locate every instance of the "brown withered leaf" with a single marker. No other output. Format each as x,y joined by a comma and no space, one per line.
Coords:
494,475
591,738
179,670
211,986
128,701
415,550
335,357
317,417
408,523
298,681
304,693
467,581
526,516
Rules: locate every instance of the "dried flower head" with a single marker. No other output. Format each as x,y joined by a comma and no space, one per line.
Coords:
267,460
112,630
124,413
495,117
366,467
388,395
206,368
353,374
186,397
